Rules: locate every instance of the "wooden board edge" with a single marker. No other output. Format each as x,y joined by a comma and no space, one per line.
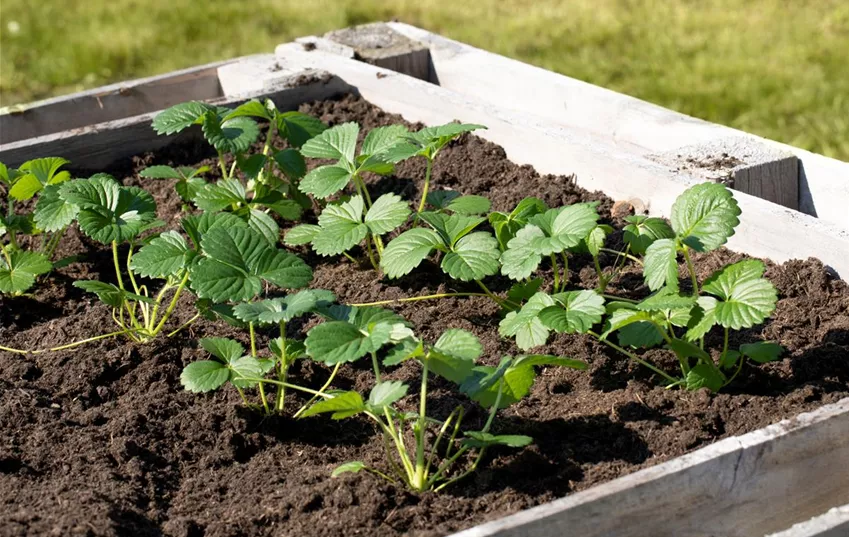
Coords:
96,147
823,182
719,488
766,229
833,523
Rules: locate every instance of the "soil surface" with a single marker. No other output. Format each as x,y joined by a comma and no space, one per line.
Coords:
102,440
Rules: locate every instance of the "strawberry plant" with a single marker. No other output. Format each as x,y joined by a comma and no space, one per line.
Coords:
427,467
21,264
345,224
468,255
189,180
427,143
232,363
734,297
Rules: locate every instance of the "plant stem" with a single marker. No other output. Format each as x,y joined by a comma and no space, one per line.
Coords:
6,256
287,385
500,301
222,165
375,365
370,254
16,351
253,339
428,171
621,299
361,185
117,264
172,306
692,271
565,268
272,129
346,254
320,391
416,299
185,325
633,357
263,398
420,478
556,269
87,340
625,254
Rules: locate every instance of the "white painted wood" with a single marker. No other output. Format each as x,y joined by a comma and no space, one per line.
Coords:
834,523
621,120
109,103
739,487
619,169
96,147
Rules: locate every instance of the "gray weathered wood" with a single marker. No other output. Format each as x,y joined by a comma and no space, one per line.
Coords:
380,45
620,170
744,486
834,523
624,121
109,103
98,146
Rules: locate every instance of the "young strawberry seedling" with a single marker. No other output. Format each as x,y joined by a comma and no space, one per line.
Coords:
232,364
467,256
345,224
427,143
703,218
20,266
427,467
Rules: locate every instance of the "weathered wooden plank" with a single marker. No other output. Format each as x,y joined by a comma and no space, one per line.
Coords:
624,121
739,487
109,103
834,523
98,146
378,44
619,170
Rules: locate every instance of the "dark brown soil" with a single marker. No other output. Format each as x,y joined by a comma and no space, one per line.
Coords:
103,441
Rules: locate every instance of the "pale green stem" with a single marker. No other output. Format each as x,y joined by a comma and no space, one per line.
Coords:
634,357
692,271
555,268
420,477
428,172
172,306
321,390
185,325
416,299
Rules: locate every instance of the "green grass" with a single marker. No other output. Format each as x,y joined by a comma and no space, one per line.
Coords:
777,68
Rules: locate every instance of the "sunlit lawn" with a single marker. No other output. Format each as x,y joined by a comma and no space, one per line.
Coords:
778,68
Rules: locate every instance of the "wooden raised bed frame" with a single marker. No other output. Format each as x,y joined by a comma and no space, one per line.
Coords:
770,480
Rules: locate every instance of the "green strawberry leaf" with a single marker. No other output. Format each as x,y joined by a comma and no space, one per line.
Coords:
479,439
762,351
387,213
386,393
196,226
342,227
180,116
521,259
705,376
339,341
661,265
109,294
298,128
342,405
349,467
325,181
337,143
52,213
108,211
224,348
641,231
573,312
525,325
204,376
291,163
705,215
231,136
276,310
470,205
473,257
221,195
381,139
164,256
302,234
747,299
408,250
17,277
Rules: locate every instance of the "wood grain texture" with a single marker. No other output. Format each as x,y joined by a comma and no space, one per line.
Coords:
623,121
744,486
620,170
110,103
834,523
96,147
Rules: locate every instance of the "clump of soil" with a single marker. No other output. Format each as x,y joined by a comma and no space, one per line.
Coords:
103,441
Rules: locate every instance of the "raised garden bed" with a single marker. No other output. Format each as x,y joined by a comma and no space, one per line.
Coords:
104,440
